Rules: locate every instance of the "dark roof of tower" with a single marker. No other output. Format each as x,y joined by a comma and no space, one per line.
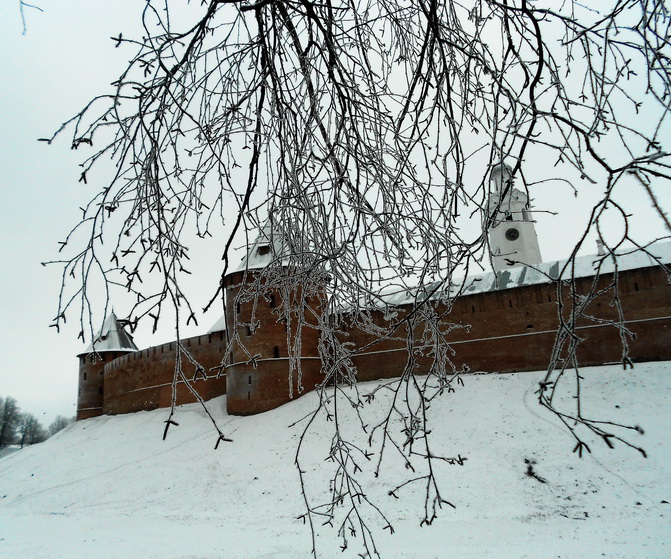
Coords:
112,337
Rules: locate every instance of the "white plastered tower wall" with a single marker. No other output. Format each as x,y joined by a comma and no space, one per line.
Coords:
512,236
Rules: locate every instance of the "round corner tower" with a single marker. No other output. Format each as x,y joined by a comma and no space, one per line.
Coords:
273,331
512,233
112,342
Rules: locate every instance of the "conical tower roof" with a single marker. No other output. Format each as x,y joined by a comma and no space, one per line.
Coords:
219,325
112,337
270,244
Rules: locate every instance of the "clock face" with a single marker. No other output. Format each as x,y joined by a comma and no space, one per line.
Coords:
512,234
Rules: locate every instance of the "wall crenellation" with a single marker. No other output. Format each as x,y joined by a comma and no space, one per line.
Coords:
501,330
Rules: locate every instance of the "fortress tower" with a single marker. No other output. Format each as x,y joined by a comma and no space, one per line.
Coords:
273,332
112,342
512,235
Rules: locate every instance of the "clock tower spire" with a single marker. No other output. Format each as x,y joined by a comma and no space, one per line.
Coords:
512,232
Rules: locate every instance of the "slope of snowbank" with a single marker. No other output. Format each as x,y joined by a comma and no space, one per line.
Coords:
110,487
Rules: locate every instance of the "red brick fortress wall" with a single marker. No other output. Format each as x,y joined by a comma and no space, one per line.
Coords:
515,329
144,380
263,373
522,340
505,330
91,382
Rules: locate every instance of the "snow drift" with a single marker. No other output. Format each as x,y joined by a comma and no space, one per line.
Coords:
110,487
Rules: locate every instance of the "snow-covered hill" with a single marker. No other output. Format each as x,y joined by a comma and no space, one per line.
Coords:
110,487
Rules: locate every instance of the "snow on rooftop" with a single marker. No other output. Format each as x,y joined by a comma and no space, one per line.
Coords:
219,325
112,337
269,245
545,272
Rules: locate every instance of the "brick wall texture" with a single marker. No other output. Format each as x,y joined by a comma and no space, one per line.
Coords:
507,330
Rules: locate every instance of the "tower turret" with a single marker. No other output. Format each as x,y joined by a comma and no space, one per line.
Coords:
273,331
112,342
512,234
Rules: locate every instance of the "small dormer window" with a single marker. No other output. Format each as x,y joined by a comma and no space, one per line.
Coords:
263,249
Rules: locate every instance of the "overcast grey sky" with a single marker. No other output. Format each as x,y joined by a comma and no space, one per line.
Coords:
66,58
41,82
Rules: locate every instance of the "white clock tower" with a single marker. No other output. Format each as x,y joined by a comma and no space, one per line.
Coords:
512,233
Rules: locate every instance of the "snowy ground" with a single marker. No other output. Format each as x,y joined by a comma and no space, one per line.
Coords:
110,487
